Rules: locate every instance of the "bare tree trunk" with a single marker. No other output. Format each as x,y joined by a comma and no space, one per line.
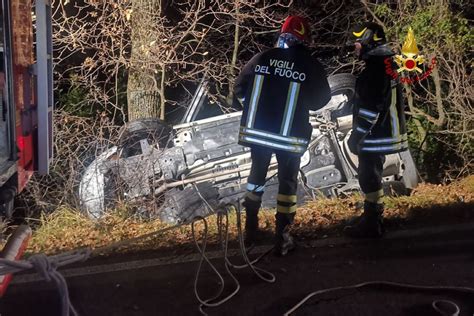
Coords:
144,88
439,100
235,52
420,129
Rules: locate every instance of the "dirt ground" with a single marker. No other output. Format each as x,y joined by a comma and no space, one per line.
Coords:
443,257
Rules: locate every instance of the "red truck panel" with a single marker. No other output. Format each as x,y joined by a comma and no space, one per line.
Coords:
22,37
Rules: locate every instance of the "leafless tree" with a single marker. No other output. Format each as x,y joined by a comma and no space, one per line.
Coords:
127,57
156,45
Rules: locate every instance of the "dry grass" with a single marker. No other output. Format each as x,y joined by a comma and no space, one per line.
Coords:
66,229
427,205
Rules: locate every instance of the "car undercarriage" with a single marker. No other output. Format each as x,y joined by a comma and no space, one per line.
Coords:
191,169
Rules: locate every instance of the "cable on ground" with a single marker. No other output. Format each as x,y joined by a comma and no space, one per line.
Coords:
223,237
439,306
47,266
270,277
212,301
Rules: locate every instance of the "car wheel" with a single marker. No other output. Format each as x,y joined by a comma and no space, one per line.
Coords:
8,192
137,135
7,201
342,84
136,138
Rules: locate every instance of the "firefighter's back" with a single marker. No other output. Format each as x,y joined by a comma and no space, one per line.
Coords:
284,85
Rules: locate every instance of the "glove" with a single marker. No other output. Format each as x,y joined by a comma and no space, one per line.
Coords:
354,142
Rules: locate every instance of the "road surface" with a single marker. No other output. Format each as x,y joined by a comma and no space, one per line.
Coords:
129,286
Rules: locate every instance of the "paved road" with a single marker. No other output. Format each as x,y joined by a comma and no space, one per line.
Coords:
442,258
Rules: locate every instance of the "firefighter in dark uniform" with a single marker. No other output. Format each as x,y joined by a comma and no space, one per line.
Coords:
277,88
378,125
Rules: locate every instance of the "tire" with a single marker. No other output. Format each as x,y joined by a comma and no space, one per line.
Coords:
342,84
8,191
8,205
154,131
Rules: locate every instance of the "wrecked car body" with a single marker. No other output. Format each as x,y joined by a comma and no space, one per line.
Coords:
189,170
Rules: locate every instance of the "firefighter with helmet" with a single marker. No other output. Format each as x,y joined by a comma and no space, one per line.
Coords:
378,125
278,88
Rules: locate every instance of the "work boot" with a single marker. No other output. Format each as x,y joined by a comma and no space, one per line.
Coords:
284,242
251,222
251,227
369,224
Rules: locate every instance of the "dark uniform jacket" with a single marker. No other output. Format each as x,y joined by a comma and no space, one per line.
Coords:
379,116
278,87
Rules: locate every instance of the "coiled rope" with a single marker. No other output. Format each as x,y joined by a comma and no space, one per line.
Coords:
47,268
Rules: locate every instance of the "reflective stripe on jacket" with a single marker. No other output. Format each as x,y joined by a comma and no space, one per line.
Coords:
271,140
278,88
379,111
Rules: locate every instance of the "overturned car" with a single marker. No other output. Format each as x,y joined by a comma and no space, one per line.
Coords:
188,170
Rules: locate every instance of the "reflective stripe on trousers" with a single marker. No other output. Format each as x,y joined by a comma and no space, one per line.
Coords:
288,168
286,203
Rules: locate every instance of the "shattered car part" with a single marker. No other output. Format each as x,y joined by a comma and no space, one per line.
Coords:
178,173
